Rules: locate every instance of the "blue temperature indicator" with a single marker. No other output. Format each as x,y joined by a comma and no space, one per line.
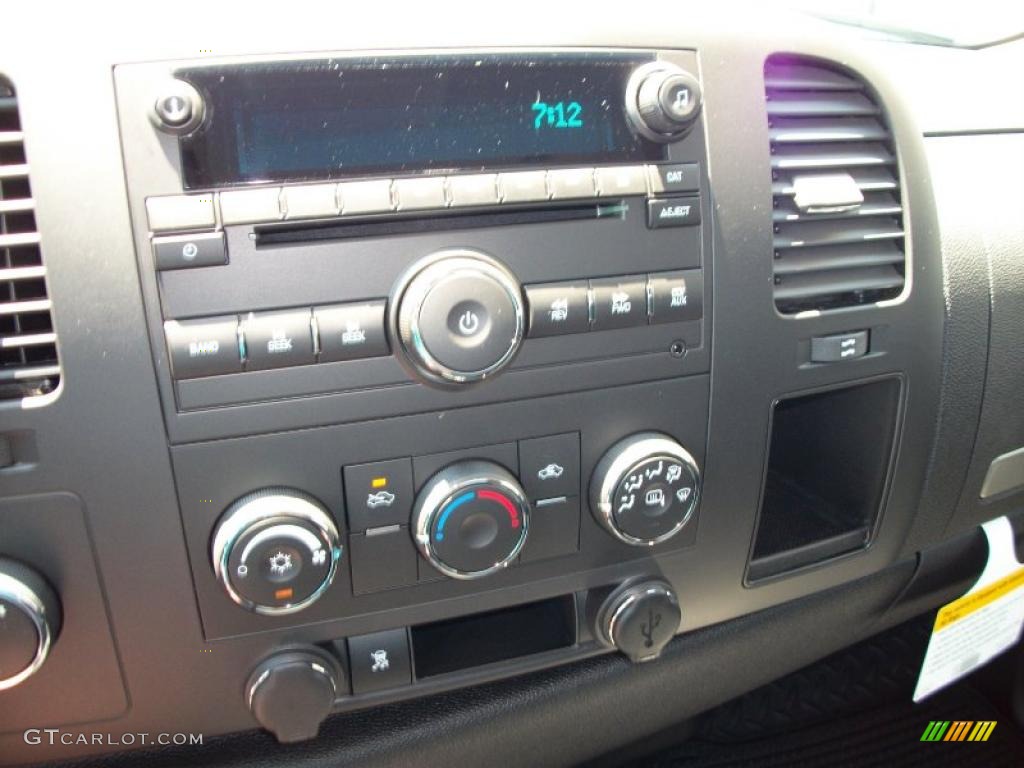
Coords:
452,506
561,114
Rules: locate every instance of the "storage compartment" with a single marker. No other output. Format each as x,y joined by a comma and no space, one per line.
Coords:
486,638
828,464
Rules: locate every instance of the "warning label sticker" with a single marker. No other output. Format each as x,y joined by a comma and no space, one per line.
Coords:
983,623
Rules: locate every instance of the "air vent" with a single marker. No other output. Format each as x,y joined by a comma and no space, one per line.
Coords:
28,345
837,213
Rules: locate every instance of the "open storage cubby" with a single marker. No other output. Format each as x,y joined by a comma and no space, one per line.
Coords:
828,465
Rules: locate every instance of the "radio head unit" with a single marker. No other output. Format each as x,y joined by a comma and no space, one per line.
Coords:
525,222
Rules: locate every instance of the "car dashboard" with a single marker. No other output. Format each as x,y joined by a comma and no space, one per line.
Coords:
412,392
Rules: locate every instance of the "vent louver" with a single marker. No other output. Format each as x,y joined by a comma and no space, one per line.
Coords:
837,213
28,344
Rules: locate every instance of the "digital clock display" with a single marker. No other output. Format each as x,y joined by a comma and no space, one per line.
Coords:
341,118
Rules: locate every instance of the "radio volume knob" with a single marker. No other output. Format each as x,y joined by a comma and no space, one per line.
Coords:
177,108
458,317
645,489
662,101
275,551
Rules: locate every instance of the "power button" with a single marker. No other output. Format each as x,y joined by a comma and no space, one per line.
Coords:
460,317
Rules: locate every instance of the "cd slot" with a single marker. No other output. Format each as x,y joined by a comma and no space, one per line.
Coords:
389,225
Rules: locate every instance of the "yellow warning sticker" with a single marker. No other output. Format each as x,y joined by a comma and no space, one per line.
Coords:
975,628
973,601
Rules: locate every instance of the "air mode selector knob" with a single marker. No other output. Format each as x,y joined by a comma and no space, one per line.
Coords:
30,620
662,101
645,489
471,519
458,317
275,551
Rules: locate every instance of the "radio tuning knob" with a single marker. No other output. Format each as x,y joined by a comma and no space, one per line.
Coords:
458,316
645,489
662,101
275,551
471,519
30,620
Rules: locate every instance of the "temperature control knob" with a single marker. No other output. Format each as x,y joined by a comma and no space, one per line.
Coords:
645,489
30,620
471,519
662,101
458,317
275,551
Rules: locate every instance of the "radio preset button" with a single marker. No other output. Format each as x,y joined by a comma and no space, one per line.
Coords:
676,177
247,206
278,339
621,180
478,189
311,201
619,302
673,212
365,197
180,212
569,183
205,347
185,251
558,308
676,296
414,194
351,331
523,187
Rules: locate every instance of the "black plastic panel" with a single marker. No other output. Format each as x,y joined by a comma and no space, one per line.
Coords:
212,475
828,465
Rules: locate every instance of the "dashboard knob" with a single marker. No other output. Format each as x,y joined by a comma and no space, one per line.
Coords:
292,692
30,620
639,619
645,488
471,519
275,551
178,108
662,101
458,316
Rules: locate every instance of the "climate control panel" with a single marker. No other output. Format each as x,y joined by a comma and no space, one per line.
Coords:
470,515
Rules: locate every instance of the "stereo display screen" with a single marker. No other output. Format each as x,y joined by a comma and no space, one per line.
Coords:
339,118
